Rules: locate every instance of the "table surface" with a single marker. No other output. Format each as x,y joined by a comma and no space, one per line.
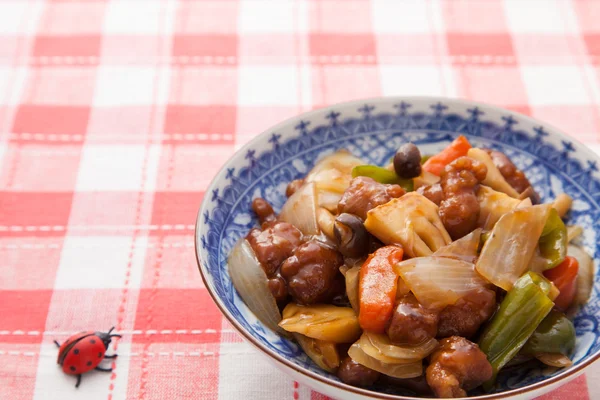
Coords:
115,115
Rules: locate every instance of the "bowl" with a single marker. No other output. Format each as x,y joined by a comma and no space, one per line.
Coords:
373,129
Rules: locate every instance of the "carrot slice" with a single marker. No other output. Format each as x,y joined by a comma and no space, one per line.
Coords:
564,277
458,148
377,288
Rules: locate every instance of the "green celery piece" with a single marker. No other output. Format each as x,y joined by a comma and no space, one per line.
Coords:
544,284
553,241
382,175
521,311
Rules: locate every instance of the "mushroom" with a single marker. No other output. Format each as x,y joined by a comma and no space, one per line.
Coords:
351,236
407,161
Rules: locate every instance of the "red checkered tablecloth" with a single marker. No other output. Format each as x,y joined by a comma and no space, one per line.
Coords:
115,115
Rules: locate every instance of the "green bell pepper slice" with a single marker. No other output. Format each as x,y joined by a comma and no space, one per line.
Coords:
553,241
382,175
520,313
555,334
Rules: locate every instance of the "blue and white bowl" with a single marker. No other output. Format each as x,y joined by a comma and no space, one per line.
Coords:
373,130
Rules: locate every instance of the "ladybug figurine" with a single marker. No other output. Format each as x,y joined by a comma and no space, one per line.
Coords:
83,351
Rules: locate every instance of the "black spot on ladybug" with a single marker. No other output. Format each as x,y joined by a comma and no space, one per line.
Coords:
93,341
72,368
89,363
76,351
99,355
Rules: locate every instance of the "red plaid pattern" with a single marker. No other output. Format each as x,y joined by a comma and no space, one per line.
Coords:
115,115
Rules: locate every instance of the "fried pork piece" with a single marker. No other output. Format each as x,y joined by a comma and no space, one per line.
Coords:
466,316
459,211
432,192
355,374
274,243
456,366
364,194
514,176
263,210
411,323
312,273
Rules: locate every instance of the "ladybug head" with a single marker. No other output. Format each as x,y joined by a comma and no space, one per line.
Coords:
106,337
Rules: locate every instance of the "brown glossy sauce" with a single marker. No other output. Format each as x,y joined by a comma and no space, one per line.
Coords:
355,374
312,272
432,192
274,243
364,194
263,210
515,177
456,366
293,187
466,316
459,211
305,269
411,323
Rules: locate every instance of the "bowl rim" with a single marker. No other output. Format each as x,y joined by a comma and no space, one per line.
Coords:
562,376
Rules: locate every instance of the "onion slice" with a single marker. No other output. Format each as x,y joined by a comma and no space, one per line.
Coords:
493,205
325,221
493,178
524,203
328,200
554,359
585,275
401,371
507,253
332,176
562,203
439,281
379,347
334,172
322,321
573,232
464,248
402,289
300,210
352,287
250,280
324,354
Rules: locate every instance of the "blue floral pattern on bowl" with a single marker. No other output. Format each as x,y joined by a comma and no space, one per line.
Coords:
373,131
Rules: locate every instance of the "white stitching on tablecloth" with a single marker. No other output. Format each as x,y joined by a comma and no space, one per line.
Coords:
52,137
328,59
133,354
126,332
38,246
60,228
